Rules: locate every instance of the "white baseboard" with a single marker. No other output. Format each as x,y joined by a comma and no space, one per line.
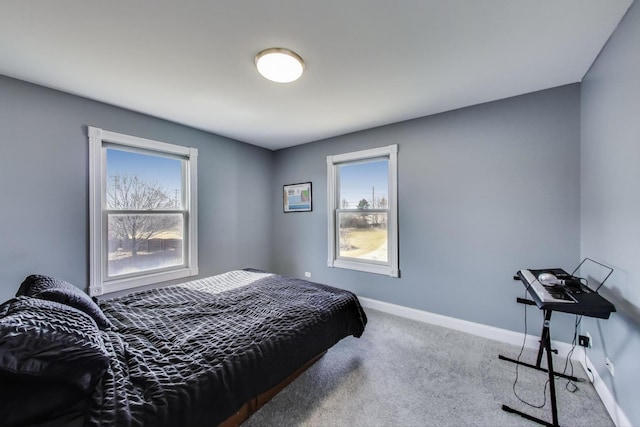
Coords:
505,336
608,399
484,331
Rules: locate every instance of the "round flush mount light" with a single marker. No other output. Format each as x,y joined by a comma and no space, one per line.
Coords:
279,65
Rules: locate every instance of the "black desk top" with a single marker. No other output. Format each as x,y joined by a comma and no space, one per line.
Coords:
588,303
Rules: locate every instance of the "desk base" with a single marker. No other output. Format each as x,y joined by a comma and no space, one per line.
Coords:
527,416
545,347
538,368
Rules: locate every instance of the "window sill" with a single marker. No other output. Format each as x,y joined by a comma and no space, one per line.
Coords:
384,270
135,282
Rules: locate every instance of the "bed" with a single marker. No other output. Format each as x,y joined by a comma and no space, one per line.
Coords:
204,353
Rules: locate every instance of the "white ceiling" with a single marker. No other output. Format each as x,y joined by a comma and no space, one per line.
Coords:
368,62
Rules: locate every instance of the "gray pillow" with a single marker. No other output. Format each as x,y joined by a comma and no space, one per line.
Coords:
52,289
40,338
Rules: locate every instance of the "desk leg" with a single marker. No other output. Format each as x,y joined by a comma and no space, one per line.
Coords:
552,383
544,337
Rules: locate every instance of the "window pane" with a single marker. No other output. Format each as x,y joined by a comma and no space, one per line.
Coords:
144,242
138,181
364,185
363,236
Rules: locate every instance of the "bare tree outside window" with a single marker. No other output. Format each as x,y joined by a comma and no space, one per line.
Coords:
130,193
382,203
142,221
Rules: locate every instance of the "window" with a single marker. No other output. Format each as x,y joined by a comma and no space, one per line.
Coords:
363,210
143,217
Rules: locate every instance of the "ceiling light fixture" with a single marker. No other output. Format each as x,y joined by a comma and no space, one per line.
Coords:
279,65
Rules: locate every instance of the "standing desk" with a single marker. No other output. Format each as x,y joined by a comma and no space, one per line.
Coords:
587,303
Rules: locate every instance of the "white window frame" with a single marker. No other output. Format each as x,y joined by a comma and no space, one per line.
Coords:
390,268
99,139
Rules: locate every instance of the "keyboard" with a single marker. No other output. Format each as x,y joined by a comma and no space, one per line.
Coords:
546,293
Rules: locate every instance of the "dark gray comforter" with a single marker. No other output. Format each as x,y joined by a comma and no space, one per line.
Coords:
193,355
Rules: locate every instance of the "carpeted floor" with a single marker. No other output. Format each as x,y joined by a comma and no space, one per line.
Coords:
407,373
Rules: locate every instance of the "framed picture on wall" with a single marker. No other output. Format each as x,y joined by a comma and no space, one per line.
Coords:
297,197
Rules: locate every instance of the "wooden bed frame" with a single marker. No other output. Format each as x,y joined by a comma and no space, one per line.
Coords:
259,401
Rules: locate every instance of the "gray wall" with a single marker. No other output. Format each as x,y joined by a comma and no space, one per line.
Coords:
610,230
483,192
44,186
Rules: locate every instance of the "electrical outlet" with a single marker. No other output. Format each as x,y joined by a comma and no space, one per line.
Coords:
609,365
307,274
590,340
584,341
